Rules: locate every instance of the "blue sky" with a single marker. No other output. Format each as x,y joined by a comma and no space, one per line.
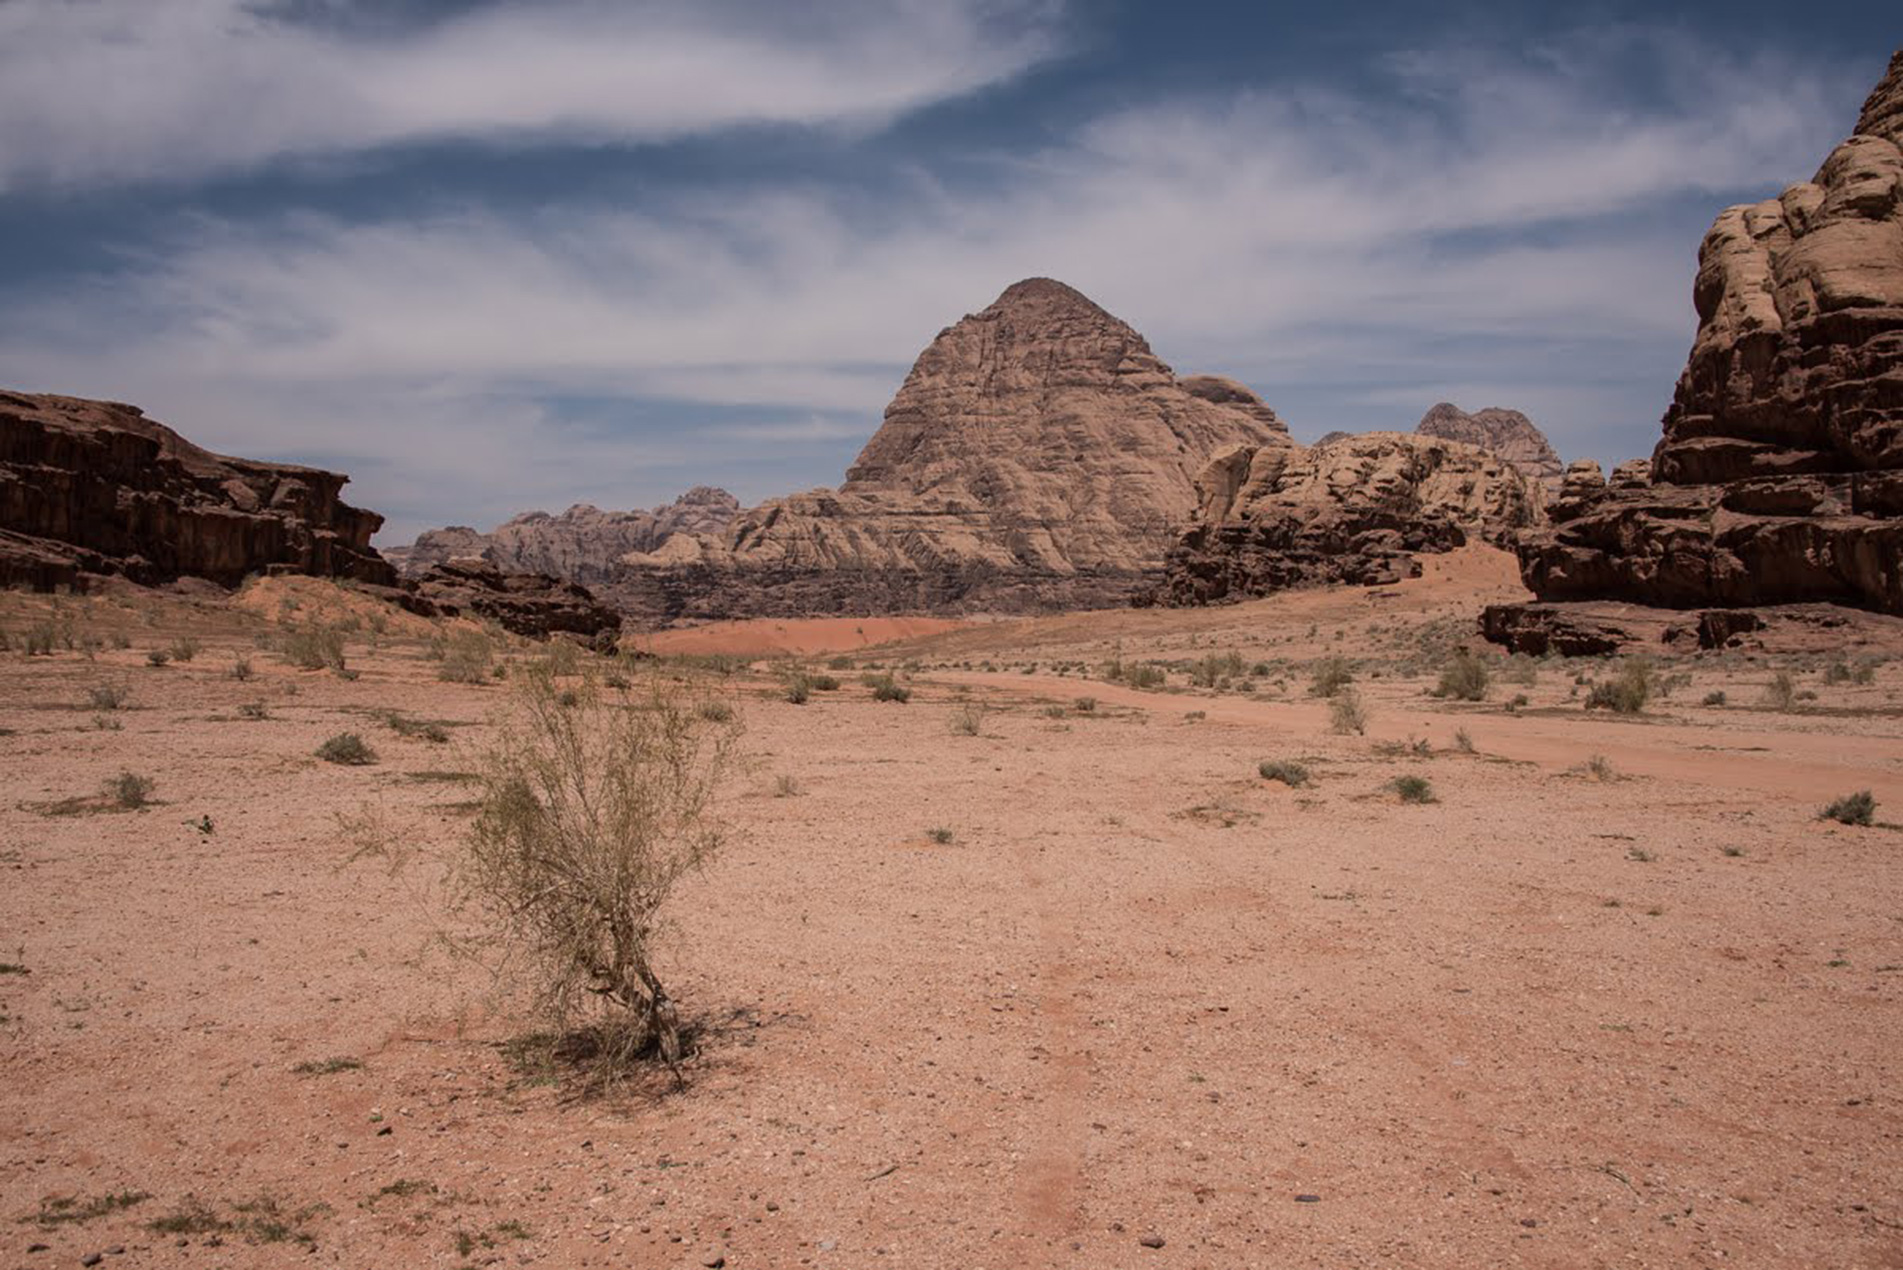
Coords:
492,256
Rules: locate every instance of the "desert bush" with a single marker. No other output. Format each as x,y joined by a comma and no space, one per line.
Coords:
563,657
1859,808
1714,698
1413,789
253,710
886,688
348,749
823,683
468,658
1465,678
968,720
158,657
1288,771
941,835
1626,692
1331,676
1213,669
1838,672
589,816
39,640
839,663
798,688
1085,705
416,729
241,669
1781,692
785,787
1463,742
1599,767
1346,713
313,645
184,648
129,791
713,712
107,696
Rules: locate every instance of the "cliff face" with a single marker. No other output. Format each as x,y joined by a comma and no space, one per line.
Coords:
1779,477
1355,510
96,487
1038,455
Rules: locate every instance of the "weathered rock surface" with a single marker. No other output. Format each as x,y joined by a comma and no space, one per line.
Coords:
94,487
1038,456
525,603
1507,433
584,544
1597,627
1356,510
1779,477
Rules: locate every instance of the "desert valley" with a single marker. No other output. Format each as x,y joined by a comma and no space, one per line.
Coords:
1101,831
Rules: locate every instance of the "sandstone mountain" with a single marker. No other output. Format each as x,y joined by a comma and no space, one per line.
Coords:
1354,510
94,487
1038,455
1779,478
1507,433
584,544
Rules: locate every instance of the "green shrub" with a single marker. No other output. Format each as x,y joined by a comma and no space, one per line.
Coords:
1465,678
468,658
129,791
1413,789
1714,698
1288,771
313,645
886,688
347,748
823,683
1330,676
1859,808
157,657
941,835
1625,693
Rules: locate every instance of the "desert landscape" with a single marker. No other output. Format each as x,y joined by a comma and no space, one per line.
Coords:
1102,830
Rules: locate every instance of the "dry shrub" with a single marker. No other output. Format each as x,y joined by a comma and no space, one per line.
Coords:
589,814
1859,808
468,658
968,720
1627,692
1332,675
1781,692
313,645
1347,713
1465,678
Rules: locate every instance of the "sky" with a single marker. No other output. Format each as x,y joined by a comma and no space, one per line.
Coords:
488,256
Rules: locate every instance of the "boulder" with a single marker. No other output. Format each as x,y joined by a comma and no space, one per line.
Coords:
523,603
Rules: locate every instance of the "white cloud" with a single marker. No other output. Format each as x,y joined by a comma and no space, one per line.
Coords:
98,91
1488,226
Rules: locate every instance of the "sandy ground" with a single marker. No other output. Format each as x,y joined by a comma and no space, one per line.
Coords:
805,637
1549,1019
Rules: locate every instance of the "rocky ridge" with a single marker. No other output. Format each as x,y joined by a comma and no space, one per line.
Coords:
1507,433
1038,456
1355,510
1779,475
96,488
583,544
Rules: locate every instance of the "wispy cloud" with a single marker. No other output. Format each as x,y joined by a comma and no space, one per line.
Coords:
1493,222
96,91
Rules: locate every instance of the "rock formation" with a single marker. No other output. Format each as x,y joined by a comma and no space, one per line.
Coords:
584,544
93,487
1355,510
525,603
1779,478
1038,455
1507,433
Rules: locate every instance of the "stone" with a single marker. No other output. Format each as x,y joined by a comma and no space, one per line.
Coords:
1779,475
1358,511
91,488
529,604
1506,433
1038,456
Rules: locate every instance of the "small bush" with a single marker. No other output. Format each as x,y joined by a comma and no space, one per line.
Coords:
157,657
1859,808
886,688
253,710
184,648
798,689
968,720
348,749
1346,713
129,791
1599,767
1413,789
1465,678
107,696
714,712
1463,742
785,787
839,663
313,645
1331,676
941,835
1714,699
468,658
241,669
823,683
416,729
1781,692
1085,705
1625,693
1288,771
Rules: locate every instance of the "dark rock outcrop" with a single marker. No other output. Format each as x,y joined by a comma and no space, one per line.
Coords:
1591,628
94,487
1779,477
524,603
1357,510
